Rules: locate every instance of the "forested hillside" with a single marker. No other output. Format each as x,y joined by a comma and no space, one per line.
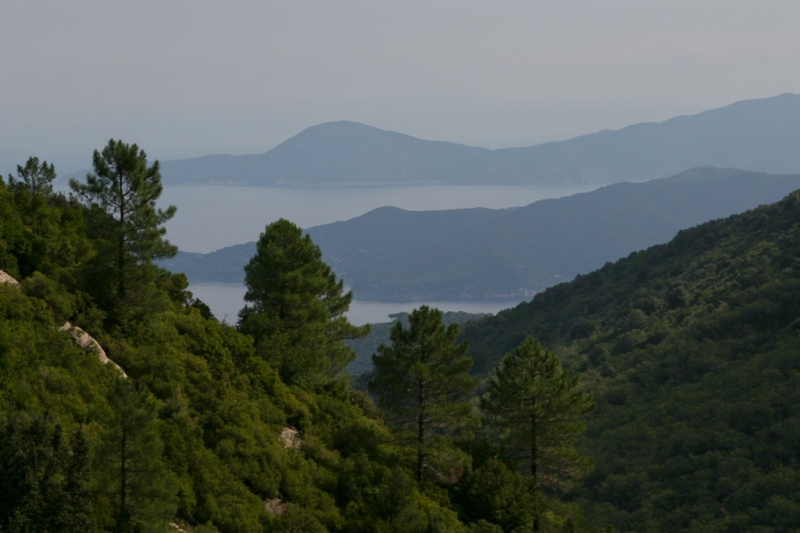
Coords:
692,352
126,407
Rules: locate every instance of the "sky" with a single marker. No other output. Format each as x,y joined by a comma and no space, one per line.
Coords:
184,78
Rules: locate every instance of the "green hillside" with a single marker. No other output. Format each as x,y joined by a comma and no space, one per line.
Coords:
692,352
126,407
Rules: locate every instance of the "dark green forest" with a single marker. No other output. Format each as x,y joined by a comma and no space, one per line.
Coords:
691,350
655,394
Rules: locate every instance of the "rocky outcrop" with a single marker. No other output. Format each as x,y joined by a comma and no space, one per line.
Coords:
275,507
81,338
290,438
87,342
5,278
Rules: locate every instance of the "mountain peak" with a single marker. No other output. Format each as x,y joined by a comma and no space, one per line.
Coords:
760,135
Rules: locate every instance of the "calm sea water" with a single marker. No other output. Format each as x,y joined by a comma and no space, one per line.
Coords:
226,299
211,217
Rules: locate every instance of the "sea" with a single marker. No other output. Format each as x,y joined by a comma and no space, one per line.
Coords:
211,217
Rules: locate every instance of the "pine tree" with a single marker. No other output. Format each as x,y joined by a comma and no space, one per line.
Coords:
538,408
422,382
53,241
32,190
133,471
125,190
338,328
34,178
296,310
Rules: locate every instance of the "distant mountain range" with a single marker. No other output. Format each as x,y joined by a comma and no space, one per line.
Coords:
760,135
395,255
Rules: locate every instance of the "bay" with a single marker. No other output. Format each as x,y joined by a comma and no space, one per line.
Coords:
211,217
226,299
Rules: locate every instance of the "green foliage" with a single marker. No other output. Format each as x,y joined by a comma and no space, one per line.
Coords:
297,307
44,232
214,429
126,225
12,231
495,494
45,476
134,477
41,369
692,359
538,408
422,382
338,329
380,334
35,179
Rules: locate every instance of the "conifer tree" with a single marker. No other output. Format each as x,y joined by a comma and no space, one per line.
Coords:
422,382
34,178
296,307
133,471
125,189
537,407
53,241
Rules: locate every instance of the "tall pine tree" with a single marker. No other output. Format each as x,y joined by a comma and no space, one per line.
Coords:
35,178
538,409
124,189
422,382
136,479
296,307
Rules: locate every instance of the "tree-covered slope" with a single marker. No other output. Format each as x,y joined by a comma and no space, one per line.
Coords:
200,431
198,425
393,254
758,135
691,349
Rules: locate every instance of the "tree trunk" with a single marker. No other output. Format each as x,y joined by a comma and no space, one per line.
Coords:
420,437
534,460
121,268
121,243
122,485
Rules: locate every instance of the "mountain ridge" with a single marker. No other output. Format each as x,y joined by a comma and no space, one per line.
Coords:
391,254
758,135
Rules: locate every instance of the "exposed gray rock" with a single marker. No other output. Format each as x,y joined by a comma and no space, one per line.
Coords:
88,343
290,438
275,507
5,278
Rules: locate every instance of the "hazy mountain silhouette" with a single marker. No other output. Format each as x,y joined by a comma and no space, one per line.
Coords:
760,135
392,254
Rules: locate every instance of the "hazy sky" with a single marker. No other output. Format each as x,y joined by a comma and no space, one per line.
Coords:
185,77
